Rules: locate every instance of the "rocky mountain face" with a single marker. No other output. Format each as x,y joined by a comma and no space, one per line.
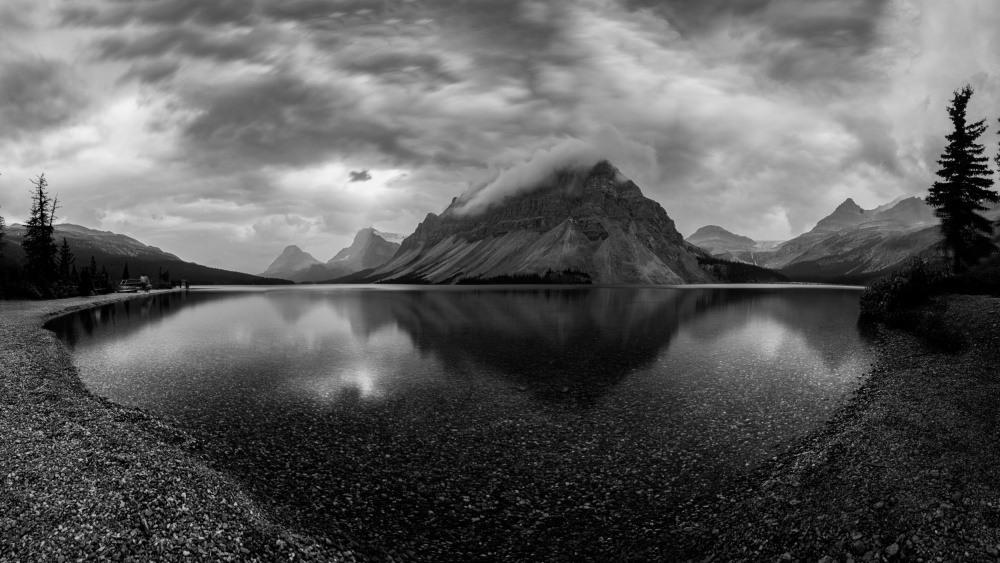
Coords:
291,259
851,242
594,222
370,249
729,246
113,251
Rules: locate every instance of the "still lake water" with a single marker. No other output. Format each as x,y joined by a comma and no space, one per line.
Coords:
481,423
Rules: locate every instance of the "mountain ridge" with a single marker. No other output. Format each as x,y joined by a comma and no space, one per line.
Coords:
593,221
370,248
292,258
112,251
849,242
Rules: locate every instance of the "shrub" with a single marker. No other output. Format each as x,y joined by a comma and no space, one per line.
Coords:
909,298
892,298
981,279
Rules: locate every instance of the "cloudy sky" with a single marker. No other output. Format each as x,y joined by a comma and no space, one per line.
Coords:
224,130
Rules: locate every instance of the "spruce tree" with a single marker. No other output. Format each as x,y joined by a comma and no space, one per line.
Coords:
3,232
125,272
39,239
3,274
964,186
94,275
86,285
66,260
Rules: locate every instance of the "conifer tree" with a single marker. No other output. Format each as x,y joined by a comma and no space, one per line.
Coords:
86,285
3,275
964,186
125,272
39,240
3,232
66,260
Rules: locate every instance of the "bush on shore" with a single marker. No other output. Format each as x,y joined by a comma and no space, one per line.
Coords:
893,299
981,279
911,299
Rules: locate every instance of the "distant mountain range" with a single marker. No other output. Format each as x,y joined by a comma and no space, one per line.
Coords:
113,251
595,226
723,244
591,225
370,249
579,225
850,244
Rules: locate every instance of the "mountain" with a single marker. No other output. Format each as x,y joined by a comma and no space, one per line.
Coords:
113,250
852,243
723,244
594,223
291,259
859,253
370,249
846,214
716,236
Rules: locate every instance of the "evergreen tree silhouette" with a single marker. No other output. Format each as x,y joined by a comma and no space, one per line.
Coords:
66,260
39,240
3,231
964,186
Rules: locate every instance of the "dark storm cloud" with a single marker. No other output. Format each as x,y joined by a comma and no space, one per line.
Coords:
793,41
360,176
152,72
189,40
424,68
830,23
304,111
17,15
876,145
38,94
118,13
280,119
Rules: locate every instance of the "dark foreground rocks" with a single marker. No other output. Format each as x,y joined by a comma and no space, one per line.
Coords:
906,471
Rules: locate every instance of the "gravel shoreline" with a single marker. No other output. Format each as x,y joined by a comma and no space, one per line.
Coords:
906,470
85,479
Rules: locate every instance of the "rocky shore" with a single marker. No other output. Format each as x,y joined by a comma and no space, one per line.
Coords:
84,479
906,471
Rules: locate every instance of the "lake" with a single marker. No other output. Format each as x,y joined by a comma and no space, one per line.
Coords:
481,423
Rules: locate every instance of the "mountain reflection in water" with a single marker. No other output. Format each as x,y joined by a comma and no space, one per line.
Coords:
409,417
564,345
